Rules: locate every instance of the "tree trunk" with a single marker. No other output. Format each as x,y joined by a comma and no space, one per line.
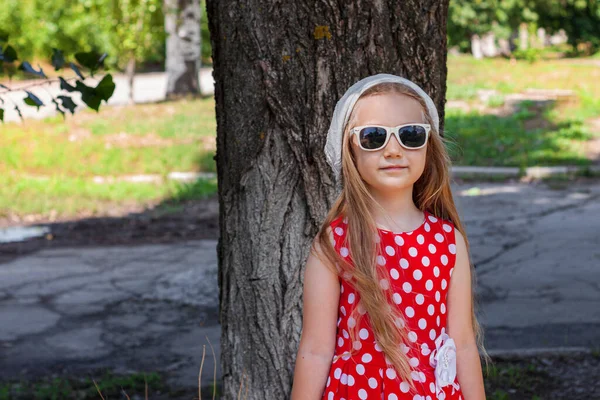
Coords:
279,70
130,72
182,26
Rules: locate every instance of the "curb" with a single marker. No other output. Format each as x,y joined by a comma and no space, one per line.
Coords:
530,172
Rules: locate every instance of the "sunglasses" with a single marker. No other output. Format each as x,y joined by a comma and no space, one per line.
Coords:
375,137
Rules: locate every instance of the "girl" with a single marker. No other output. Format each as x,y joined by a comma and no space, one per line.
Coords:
388,292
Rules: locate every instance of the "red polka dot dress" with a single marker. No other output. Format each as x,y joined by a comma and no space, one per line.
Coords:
420,265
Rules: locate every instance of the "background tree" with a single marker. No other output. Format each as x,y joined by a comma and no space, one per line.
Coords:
279,71
183,52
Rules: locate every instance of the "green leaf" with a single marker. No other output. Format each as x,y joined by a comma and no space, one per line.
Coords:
58,60
91,60
94,96
9,54
76,69
65,85
25,66
58,108
33,100
106,87
2,114
3,36
68,103
18,110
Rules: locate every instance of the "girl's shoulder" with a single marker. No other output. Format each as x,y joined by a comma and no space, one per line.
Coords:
441,225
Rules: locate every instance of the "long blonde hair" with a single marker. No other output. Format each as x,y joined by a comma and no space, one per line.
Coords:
431,192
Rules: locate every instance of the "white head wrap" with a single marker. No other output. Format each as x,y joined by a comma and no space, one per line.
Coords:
341,114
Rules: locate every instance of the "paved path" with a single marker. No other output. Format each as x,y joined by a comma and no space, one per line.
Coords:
536,250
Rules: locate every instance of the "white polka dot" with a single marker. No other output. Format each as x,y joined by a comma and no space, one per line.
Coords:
432,248
351,298
417,397
452,248
422,376
342,289
337,373
444,284
425,261
437,320
439,237
437,296
361,309
377,348
343,310
436,271
366,358
451,269
350,380
432,219
432,387
443,308
346,356
399,241
420,299
344,379
404,348
328,381
363,333
390,250
447,228
422,323
412,251
429,284
330,396
381,369
351,322
372,383
414,362
412,336
339,231
415,376
381,260
427,227
392,396
417,274
444,259
420,239
430,309
407,287
404,387
344,252
360,369
397,299
345,334
345,220
432,334
390,373
410,312
394,273
425,350
362,393
404,263
385,285
399,323
357,345
340,342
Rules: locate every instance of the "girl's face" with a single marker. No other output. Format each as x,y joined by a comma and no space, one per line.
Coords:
389,110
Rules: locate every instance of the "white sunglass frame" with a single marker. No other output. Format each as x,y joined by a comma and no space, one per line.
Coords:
395,130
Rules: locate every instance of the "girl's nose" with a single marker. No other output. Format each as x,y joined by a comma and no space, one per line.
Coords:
393,147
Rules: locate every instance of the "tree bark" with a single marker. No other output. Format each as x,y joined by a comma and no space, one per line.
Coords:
182,25
279,69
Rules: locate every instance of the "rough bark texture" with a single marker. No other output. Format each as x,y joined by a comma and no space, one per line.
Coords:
280,67
182,25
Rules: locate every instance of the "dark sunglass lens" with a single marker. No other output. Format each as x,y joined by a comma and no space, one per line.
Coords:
372,137
413,135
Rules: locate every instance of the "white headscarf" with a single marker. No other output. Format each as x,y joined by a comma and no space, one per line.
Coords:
341,114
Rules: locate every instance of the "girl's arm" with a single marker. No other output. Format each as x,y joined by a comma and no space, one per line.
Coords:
319,324
460,326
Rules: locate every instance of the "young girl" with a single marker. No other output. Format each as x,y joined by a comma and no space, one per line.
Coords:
388,287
